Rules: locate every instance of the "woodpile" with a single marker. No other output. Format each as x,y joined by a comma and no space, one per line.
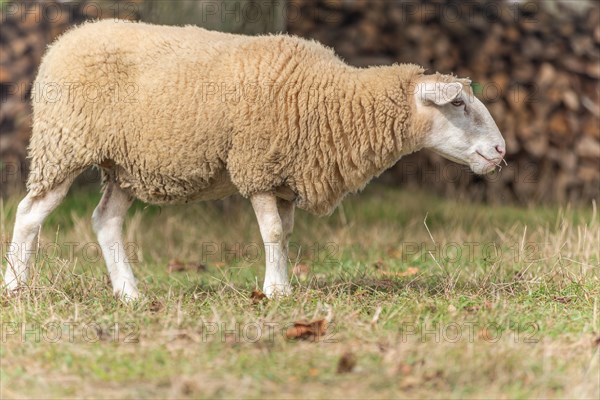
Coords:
26,28
536,65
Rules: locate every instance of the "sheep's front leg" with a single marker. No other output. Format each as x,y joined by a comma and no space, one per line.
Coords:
271,230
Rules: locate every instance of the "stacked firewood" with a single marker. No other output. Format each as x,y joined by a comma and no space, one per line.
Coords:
22,41
26,28
536,65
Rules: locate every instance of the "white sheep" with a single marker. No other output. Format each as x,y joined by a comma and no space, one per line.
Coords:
176,114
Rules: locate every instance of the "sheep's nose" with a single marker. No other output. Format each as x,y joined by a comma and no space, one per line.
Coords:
501,150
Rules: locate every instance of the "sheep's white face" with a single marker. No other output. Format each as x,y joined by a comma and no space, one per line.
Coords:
462,129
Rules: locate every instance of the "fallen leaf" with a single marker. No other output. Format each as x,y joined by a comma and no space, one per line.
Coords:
394,252
409,382
562,300
176,265
346,363
183,335
404,369
409,272
301,271
198,267
231,338
383,347
433,374
477,307
257,296
307,330
487,336
155,306
519,275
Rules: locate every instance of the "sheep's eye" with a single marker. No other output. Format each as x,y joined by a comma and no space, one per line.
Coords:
458,103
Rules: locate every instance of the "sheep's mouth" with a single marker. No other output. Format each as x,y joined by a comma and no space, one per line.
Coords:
490,164
485,158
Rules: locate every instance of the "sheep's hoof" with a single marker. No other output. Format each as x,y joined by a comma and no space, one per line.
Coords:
277,290
127,297
13,291
128,294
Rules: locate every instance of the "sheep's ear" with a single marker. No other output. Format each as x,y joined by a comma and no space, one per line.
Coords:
439,93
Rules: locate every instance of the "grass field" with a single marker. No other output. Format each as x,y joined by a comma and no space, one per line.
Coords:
424,298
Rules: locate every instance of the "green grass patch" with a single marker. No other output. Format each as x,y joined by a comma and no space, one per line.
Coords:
433,298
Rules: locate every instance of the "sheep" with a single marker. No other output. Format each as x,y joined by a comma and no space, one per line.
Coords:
180,114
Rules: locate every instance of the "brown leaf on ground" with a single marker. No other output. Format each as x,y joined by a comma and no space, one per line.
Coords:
394,252
404,369
307,330
155,306
176,265
435,374
346,363
477,307
409,382
562,299
198,267
410,271
301,271
486,335
383,347
257,296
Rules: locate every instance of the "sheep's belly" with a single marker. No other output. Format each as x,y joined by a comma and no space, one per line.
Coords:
168,190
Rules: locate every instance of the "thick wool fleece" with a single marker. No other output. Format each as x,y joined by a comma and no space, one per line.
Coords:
175,114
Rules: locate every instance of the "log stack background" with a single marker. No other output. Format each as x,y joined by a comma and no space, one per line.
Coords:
536,65
26,28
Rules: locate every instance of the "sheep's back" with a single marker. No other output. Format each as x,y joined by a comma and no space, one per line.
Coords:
182,113
131,96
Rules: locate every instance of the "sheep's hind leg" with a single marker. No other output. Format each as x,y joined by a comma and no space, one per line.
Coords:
107,221
31,213
271,230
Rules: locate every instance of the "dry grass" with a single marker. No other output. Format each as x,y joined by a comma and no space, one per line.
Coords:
432,299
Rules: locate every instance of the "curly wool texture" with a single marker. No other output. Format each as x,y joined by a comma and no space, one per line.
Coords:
176,114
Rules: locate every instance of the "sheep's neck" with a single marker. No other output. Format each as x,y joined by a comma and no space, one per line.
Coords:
369,130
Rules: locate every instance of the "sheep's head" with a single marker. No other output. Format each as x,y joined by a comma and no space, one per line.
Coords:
461,128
